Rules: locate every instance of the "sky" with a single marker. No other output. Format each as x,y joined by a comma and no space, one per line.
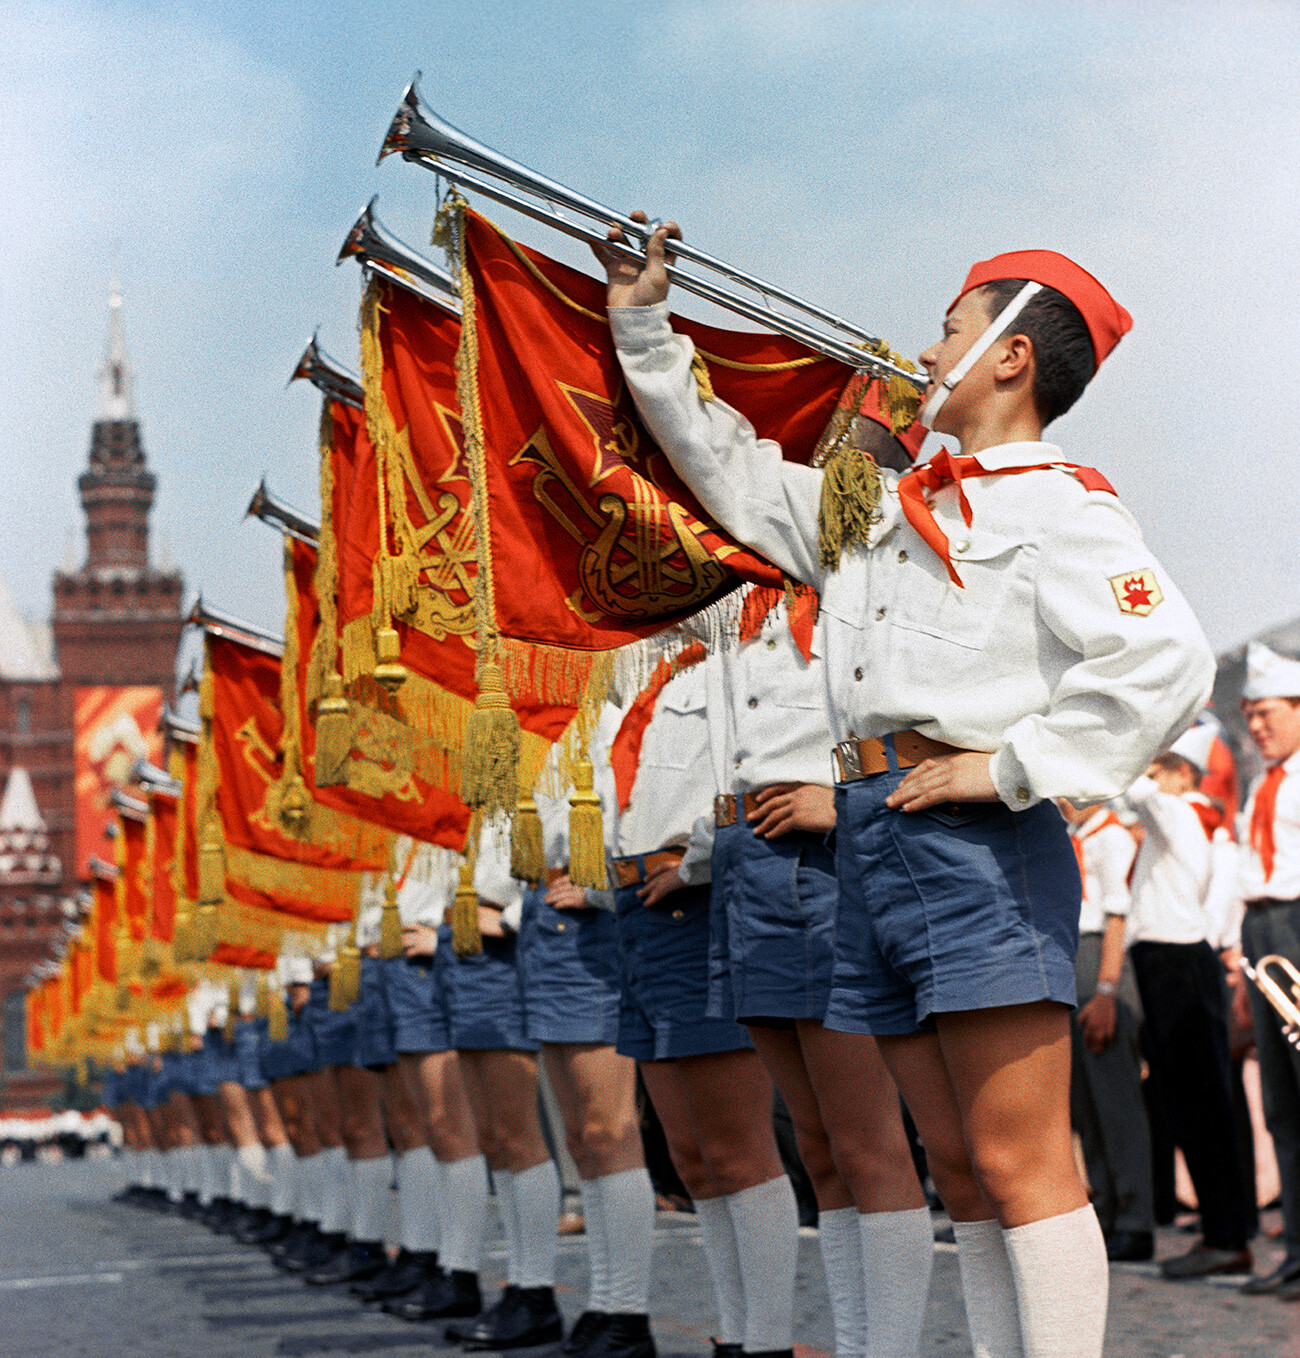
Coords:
861,154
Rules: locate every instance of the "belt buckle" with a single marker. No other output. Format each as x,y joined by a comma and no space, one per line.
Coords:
849,755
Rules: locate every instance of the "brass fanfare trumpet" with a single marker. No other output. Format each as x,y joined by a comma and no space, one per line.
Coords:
1283,995
282,516
376,248
418,134
329,376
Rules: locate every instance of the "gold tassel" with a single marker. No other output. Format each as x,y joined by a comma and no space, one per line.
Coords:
182,935
333,734
700,372
527,849
465,937
491,755
262,1004
212,865
345,978
205,931
389,671
277,1015
850,504
390,923
586,831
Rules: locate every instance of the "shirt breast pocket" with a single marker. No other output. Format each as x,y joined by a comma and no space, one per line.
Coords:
994,569
676,743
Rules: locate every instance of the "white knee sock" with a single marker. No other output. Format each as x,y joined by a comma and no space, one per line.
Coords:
766,1222
369,1185
537,1206
174,1171
841,1246
597,1246
206,1158
989,1289
333,1168
283,1164
224,1157
1062,1284
718,1236
311,1188
503,1181
897,1259
627,1212
462,1213
417,1199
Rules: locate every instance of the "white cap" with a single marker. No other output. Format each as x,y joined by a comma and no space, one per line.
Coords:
1194,746
1269,675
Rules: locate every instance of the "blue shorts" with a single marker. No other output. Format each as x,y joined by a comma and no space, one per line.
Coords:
374,1044
665,979
112,1088
417,1004
157,1086
135,1081
212,1063
772,950
569,960
485,996
296,1055
968,906
250,1037
334,1031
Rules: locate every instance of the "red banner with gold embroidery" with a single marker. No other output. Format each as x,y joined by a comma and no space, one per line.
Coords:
261,808
393,777
104,915
594,540
165,816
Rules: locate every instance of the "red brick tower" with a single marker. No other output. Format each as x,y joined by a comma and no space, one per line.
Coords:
117,620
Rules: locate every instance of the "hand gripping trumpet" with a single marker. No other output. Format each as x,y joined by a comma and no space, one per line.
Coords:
418,134
1283,995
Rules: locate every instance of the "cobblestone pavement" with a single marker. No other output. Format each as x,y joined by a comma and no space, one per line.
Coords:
83,1277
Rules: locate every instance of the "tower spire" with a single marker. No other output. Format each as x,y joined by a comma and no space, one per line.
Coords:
115,377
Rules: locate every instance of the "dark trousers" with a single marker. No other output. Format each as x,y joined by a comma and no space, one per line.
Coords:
1107,1111
1185,1038
1276,929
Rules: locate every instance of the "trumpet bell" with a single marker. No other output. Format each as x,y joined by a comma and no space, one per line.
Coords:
374,247
328,376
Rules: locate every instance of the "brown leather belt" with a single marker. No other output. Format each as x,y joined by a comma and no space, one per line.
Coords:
1265,901
631,871
728,809
553,875
857,759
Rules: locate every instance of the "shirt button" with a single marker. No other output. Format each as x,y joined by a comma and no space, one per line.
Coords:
880,613
753,702
771,643
1022,794
963,546
737,761
679,914
902,556
857,674
561,927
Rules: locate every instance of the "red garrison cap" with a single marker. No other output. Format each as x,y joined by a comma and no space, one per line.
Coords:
1106,320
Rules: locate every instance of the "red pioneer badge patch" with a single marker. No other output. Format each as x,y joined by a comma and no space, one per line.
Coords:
1136,592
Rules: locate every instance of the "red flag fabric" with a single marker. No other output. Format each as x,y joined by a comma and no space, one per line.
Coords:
594,540
165,813
105,927
135,893
625,749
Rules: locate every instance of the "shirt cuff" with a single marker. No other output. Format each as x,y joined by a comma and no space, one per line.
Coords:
1011,780
638,329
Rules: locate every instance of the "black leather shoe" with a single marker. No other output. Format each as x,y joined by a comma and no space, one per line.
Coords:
1203,1261
585,1332
1288,1271
291,1242
624,1335
527,1319
317,1251
721,1350
360,1262
482,1323
275,1230
1130,1247
444,1297
402,1276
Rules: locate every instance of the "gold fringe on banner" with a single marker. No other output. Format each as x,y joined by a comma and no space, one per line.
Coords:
465,937
182,933
262,1000
205,931
232,1009
390,922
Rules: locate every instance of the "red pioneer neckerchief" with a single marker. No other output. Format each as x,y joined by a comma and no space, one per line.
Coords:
1261,819
944,468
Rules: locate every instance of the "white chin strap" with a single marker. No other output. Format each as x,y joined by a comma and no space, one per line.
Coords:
934,404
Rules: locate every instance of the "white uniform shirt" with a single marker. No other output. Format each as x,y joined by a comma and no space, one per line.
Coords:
1223,904
1172,871
370,909
767,711
429,886
492,879
672,796
1284,884
1033,660
1107,852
